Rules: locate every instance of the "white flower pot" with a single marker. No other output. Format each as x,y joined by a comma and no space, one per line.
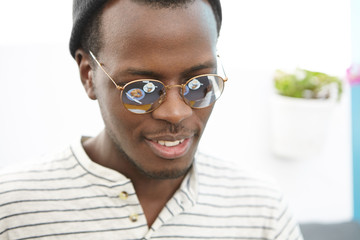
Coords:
298,127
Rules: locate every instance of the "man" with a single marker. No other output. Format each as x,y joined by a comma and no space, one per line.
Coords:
152,67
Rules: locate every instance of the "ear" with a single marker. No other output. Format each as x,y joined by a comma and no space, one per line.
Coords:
86,72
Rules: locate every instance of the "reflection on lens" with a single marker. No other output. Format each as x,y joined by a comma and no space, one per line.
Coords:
194,84
135,95
149,87
140,96
208,90
144,96
138,109
186,90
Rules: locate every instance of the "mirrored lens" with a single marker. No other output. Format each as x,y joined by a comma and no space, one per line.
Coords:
142,96
146,95
204,90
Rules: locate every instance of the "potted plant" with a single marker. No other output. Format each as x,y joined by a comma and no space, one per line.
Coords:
307,84
301,111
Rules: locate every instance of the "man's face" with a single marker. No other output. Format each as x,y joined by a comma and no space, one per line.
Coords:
171,45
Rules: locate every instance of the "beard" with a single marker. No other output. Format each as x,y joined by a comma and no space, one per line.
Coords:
158,175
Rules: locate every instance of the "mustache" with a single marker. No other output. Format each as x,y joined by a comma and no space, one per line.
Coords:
169,128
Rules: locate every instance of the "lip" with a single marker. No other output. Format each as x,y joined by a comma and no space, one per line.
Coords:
170,152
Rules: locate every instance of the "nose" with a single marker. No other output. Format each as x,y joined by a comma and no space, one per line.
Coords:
173,109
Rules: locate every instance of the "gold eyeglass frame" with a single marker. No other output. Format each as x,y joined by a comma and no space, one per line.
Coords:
182,86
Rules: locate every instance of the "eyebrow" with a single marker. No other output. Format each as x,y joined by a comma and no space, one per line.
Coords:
140,72
205,65
154,75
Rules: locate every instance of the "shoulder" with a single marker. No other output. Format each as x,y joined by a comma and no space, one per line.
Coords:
46,167
34,179
224,185
218,172
245,195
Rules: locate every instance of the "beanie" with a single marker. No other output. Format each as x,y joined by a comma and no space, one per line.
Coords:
83,10
82,13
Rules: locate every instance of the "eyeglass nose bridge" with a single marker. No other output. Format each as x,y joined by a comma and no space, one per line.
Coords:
181,86
173,86
168,87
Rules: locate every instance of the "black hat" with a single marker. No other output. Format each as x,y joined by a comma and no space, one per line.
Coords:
83,10
82,13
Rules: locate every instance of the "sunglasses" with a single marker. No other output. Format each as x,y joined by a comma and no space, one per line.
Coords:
145,95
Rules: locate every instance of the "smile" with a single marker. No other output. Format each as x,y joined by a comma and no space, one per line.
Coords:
170,149
170,143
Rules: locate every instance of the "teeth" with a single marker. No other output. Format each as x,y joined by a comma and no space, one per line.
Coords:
170,143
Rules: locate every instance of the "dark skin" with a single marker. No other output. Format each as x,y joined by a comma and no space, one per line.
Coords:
171,45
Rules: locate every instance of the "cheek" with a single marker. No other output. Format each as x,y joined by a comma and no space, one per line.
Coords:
108,102
122,128
108,99
116,118
204,114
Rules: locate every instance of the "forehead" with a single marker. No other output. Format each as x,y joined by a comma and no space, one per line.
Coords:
139,32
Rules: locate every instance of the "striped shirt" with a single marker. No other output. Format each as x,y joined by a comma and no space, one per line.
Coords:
71,197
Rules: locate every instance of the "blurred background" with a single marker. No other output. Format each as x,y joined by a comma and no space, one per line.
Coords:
44,107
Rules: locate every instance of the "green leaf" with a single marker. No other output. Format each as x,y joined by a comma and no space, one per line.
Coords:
307,84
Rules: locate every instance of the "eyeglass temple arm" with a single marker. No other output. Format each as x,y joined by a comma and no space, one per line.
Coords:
100,65
222,68
121,88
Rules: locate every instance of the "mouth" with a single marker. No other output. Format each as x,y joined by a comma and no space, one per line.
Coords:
170,143
170,149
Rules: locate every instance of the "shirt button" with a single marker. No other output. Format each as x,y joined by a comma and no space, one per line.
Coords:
123,195
134,217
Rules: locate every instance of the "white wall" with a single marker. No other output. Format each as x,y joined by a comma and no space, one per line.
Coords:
43,106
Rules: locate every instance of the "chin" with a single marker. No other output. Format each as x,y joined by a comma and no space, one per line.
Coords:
166,173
